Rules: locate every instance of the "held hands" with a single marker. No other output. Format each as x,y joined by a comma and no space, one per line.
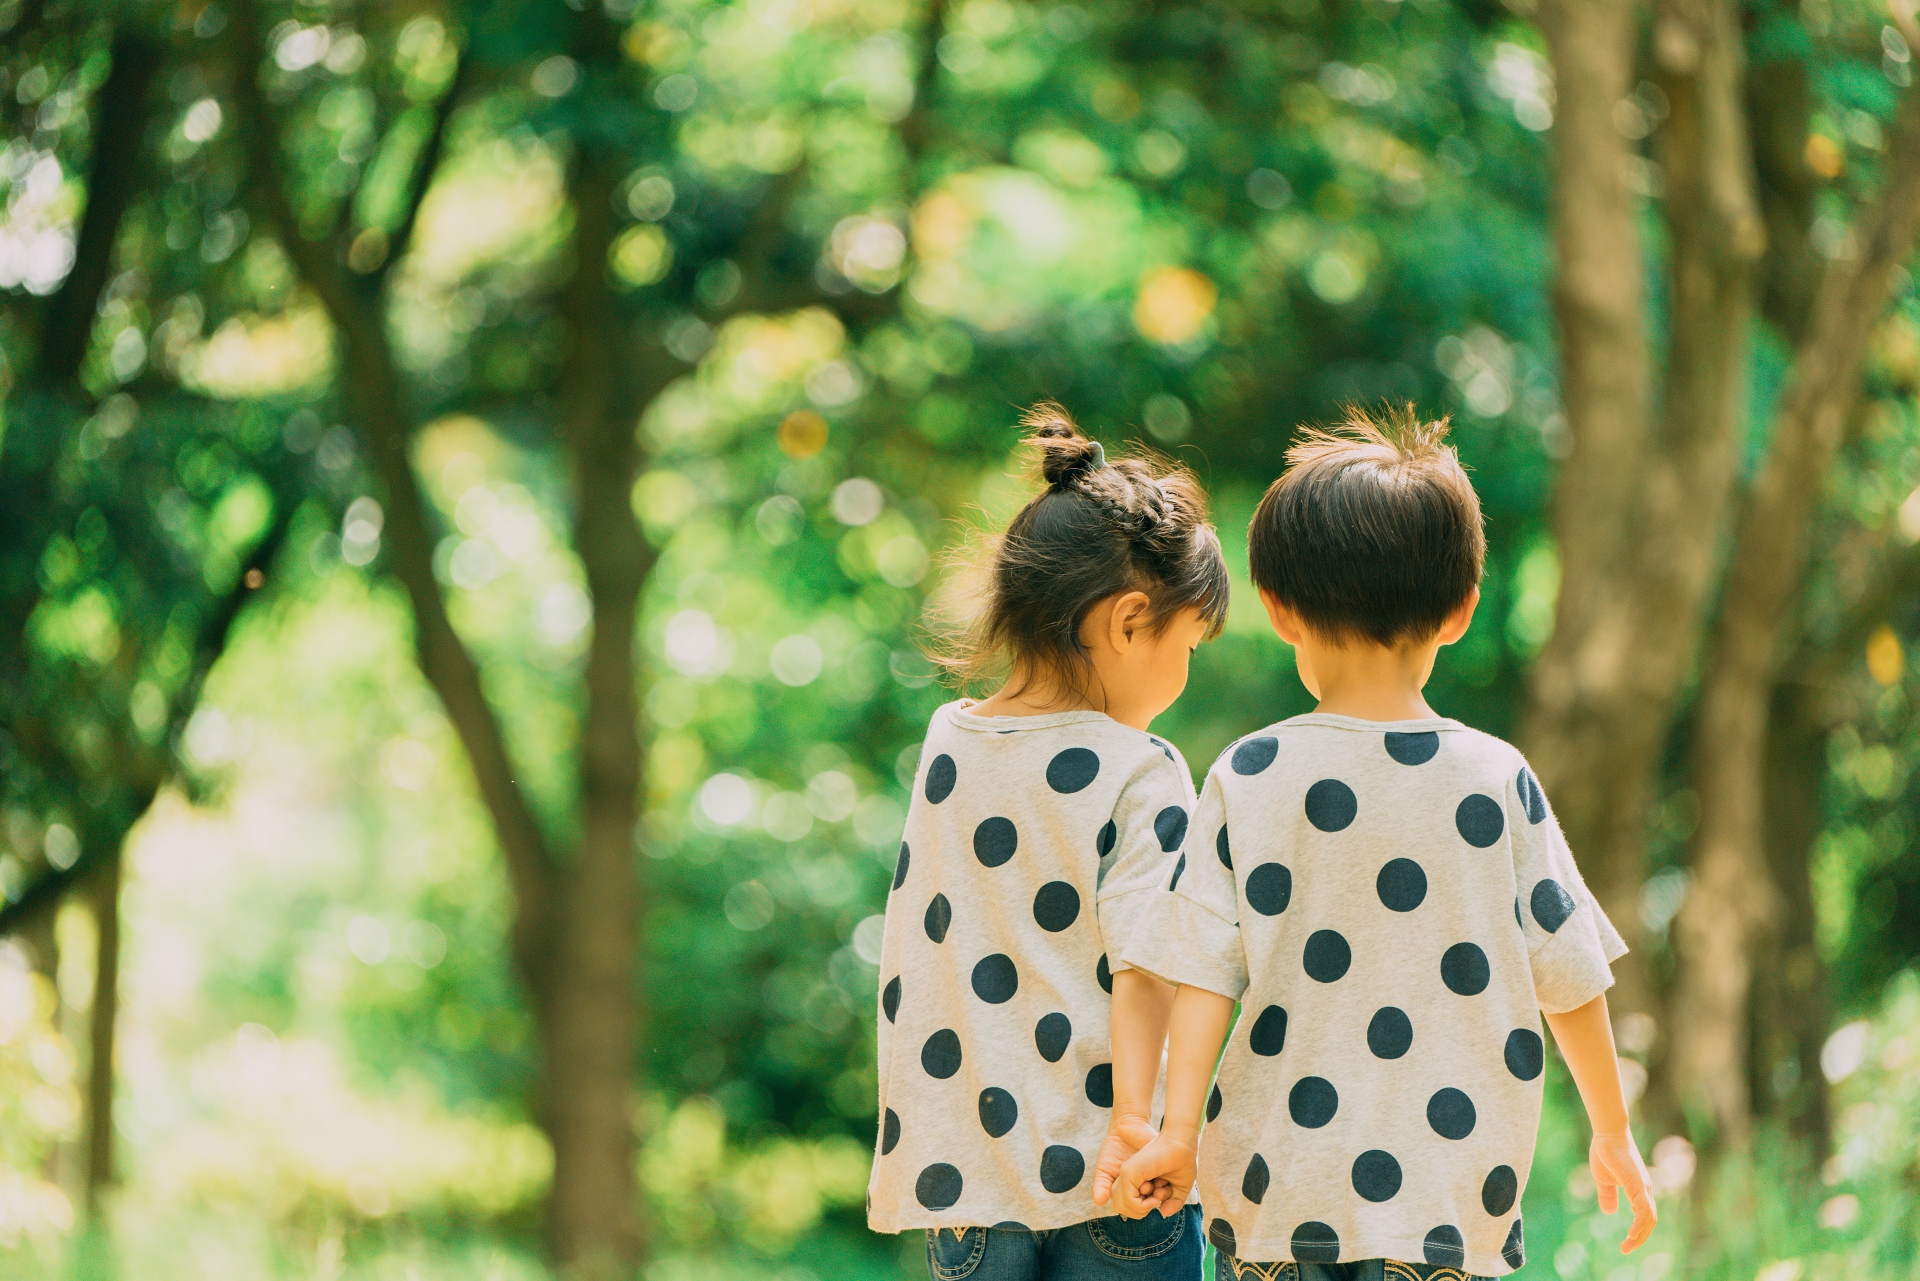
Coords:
1617,1168
1158,1177
1125,1136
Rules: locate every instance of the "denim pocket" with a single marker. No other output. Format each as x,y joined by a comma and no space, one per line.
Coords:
1144,1238
953,1253
1228,1268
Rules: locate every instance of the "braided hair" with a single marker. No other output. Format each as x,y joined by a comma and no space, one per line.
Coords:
1099,528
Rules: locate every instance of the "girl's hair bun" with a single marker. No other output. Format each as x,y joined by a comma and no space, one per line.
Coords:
1065,453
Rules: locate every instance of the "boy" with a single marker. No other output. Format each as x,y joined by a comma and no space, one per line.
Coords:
1386,893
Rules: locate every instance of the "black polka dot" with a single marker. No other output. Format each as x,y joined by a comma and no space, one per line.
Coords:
1061,1168
1389,1033
1100,1085
1056,906
1402,884
890,1132
900,868
1213,1103
1479,820
939,918
1445,1247
1327,956
1220,1232
1220,848
940,777
998,1111
994,841
1170,825
1179,869
1269,1035
1551,904
995,980
1312,1102
890,998
1412,749
1162,746
1516,915
1255,754
1464,969
1526,1054
1316,1243
1331,805
1515,1249
1450,1113
1531,796
1376,1175
1051,1035
1104,973
1269,888
939,1185
940,1056
1072,770
1108,838
1500,1191
1253,1184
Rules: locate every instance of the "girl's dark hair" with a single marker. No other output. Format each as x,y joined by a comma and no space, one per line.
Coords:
1100,527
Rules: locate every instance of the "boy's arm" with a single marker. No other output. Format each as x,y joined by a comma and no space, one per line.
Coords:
1141,1007
1585,1038
1198,1029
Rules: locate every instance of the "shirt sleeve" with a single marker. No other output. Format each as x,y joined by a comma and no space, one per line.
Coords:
1189,929
1149,824
1570,942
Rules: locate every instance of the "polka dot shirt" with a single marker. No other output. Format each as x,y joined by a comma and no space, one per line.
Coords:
1393,905
1031,844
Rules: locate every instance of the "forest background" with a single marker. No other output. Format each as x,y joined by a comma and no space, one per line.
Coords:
472,476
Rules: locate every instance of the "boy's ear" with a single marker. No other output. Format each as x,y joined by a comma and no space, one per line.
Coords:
1460,619
1286,623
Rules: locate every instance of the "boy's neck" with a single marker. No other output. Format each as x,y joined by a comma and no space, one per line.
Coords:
1368,682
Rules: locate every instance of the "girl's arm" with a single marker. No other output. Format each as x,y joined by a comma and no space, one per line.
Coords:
1585,1038
1141,1006
1198,1029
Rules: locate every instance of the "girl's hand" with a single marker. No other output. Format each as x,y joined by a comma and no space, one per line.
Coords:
1170,1159
1126,1135
1617,1168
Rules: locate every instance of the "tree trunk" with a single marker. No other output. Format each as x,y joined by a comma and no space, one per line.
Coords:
594,1015
1637,511
105,894
1790,1011
1734,896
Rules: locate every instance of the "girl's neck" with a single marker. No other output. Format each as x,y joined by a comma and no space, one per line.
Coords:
1030,693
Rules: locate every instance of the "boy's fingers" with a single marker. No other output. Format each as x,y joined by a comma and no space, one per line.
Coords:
1609,1194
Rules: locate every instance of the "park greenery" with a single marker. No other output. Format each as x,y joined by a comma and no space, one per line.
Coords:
477,478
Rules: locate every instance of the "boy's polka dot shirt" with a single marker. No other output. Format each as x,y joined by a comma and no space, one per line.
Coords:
1393,905
1031,844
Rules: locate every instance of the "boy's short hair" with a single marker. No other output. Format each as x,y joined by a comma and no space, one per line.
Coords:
1373,532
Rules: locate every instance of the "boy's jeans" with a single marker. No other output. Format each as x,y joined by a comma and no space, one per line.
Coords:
1155,1248
1228,1268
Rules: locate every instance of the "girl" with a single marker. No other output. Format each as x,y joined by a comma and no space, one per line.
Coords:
1041,819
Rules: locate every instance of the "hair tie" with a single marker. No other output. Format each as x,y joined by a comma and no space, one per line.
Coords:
1099,454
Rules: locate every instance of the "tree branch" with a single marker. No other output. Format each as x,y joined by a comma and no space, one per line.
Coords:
209,643
121,111
427,164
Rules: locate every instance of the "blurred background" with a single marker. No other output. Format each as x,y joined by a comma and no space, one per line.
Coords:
472,476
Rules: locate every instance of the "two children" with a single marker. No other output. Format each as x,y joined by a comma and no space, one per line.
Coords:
1382,891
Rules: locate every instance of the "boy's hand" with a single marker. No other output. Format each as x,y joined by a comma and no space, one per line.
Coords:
1170,1159
1126,1135
1617,1168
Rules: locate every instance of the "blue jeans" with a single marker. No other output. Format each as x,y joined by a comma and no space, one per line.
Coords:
1155,1248
1228,1268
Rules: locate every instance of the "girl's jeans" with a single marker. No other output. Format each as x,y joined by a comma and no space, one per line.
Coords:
1155,1248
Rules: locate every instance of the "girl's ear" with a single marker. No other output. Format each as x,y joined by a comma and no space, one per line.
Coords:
1130,613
